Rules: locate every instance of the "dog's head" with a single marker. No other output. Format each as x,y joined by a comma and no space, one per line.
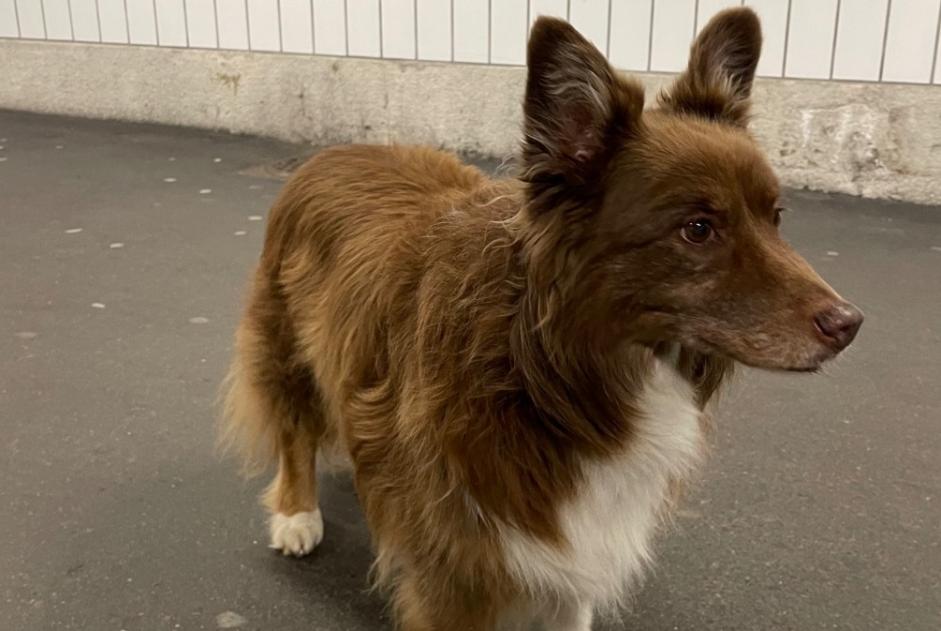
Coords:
669,217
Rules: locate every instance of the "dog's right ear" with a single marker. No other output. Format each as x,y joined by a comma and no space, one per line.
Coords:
575,108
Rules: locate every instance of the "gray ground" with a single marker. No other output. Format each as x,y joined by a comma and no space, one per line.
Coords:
820,508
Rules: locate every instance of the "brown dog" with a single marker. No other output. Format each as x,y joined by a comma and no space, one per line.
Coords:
517,369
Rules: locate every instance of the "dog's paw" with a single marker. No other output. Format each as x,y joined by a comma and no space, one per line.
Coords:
297,534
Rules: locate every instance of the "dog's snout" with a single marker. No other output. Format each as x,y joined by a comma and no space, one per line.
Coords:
838,324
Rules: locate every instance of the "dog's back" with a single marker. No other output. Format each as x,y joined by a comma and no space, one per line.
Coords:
343,256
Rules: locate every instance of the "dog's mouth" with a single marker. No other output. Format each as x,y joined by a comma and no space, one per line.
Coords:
795,360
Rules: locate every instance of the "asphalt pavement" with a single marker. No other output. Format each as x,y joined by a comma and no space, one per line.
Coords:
124,255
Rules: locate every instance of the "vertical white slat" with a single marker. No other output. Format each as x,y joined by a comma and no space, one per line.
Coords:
171,23
590,17
398,28
937,66
113,21
774,17
508,30
201,23
85,21
909,45
434,30
141,24
471,31
264,25
556,8
58,20
630,34
708,8
363,28
8,27
9,21
32,24
810,39
330,27
859,35
232,24
673,23
296,33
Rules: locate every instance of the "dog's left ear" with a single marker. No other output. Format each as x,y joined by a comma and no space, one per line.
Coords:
575,108
722,61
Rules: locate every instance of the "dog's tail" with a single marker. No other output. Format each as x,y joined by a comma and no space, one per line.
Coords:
245,428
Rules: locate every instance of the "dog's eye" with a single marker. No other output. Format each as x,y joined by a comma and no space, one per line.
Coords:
697,231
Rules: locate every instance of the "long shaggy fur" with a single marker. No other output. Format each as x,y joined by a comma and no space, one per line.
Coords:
518,369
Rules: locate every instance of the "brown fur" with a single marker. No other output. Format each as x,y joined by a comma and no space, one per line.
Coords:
468,342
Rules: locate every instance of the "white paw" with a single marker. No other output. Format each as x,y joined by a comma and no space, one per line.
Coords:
296,534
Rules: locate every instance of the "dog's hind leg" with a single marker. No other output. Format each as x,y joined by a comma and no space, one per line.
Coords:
274,410
296,525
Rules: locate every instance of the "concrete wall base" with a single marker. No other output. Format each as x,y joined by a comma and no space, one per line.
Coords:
874,140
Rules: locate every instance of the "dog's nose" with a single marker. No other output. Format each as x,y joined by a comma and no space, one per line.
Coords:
839,324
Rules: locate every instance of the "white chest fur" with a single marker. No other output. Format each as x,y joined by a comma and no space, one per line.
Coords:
610,522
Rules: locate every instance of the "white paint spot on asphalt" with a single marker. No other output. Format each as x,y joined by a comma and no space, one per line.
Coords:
116,246
59,146
73,231
205,191
98,305
199,320
27,335
2,147
169,180
230,620
171,159
240,233
832,253
217,159
254,187
254,217
936,248
3,158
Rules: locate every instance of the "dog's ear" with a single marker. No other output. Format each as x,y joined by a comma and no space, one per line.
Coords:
574,106
722,62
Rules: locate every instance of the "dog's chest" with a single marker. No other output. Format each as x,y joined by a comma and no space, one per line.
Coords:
610,522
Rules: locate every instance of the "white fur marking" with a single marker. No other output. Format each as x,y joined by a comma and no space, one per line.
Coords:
610,522
297,534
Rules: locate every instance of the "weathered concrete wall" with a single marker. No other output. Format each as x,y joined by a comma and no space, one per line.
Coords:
876,140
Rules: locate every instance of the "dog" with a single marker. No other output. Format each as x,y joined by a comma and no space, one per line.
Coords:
518,370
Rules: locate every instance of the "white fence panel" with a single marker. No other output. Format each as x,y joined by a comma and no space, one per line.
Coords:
171,23
810,42
910,41
330,27
141,22
673,25
850,40
590,17
58,19
630,34
84,14
398,29
862,22
434,30
9,26
297,30
201,23
508,31
472,31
